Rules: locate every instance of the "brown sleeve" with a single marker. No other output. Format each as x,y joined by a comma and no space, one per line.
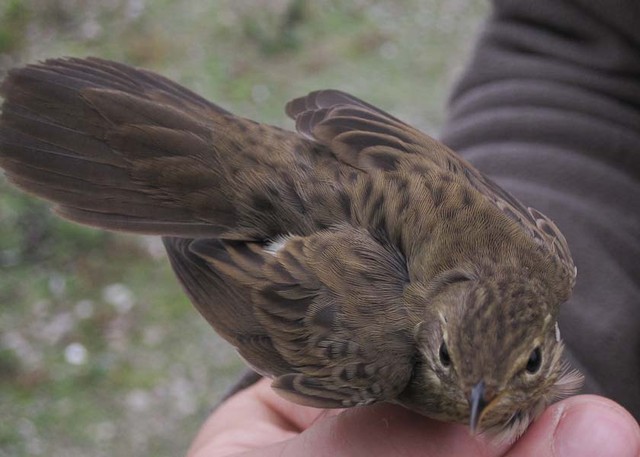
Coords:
549,106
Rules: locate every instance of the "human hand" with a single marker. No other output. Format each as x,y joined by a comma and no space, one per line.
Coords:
258,422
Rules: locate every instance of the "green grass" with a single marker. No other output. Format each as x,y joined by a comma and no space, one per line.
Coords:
151,367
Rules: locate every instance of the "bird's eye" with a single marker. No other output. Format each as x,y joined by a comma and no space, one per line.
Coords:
535,360
445,360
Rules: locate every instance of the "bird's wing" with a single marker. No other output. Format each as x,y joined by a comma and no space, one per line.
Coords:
362,135
366,137
331,305
225,304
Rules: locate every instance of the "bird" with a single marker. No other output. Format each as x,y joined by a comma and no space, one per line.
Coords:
356,260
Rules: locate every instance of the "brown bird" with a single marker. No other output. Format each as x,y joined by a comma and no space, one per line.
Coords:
355,261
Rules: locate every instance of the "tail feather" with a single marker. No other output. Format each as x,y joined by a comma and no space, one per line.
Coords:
114,146
140,142
121,107
67,179
100,73
130,223
20,126
125,149
98,199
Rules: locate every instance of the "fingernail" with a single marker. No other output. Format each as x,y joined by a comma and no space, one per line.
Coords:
600,430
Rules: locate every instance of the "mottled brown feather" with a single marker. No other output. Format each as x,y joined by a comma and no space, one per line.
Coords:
337,259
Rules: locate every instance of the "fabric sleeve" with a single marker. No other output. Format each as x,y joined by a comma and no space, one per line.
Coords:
549,107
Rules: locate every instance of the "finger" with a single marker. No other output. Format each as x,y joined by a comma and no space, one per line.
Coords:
253,418
300,417
382,430
581,426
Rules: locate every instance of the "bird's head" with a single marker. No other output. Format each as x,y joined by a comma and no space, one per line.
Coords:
489,354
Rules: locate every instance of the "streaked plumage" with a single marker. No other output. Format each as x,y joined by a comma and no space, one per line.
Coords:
350,261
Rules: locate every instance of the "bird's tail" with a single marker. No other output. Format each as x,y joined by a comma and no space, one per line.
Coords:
126,149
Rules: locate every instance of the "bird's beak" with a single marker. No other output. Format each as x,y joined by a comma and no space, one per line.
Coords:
478,403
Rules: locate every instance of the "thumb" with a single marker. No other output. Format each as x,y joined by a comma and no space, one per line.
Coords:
581,426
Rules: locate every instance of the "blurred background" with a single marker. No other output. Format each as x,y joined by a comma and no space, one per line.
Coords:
100,351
